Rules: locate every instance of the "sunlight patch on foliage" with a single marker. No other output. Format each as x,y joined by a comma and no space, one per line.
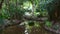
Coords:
27,5
37,24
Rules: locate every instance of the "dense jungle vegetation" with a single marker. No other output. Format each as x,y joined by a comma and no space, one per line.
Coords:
29,16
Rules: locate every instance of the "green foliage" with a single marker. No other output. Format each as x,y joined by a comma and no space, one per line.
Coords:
35,8
10,10
31,23
56,27
37,24
48,23
4,12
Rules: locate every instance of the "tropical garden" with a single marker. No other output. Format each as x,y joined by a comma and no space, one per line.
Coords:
29,16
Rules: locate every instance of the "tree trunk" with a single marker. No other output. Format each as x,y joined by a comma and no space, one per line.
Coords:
1,3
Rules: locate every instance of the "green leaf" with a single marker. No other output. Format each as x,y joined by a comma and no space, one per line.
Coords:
48,24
